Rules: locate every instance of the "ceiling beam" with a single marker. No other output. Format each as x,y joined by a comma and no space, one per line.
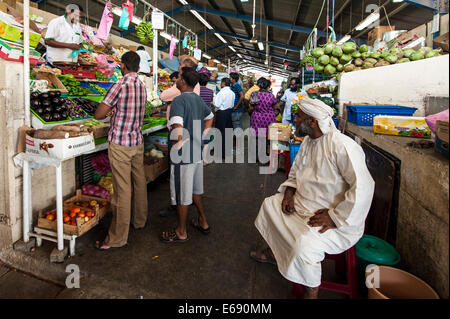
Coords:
296,17
338,12
239,9
282,57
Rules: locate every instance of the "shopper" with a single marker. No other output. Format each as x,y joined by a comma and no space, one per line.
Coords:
224,103
239,98
173,78
206,94
186,169
253,88
322,206
263,113
125,103
146,61
289,95
63,36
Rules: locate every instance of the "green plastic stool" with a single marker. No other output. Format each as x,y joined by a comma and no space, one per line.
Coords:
373,250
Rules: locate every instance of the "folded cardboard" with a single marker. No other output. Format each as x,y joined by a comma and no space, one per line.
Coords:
14,52
61,149
279,132
52,79
154,170
13,31
401,126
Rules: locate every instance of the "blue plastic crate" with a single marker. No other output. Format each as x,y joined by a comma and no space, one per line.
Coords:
293,150
363,114
105,85
336,122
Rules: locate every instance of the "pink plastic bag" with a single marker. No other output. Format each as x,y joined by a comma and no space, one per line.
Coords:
173,45
431,119
105,23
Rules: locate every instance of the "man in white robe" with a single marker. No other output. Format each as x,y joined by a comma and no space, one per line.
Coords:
322,206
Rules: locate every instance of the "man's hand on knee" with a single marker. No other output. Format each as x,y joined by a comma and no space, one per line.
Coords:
287,205
322,218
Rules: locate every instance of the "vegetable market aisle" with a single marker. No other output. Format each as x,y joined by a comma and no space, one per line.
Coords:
213,266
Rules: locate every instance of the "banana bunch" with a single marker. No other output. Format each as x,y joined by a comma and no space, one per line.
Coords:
145,32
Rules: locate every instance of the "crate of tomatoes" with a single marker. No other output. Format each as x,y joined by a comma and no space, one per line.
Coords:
76,220
100,205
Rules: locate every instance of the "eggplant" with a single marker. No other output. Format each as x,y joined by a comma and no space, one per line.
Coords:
46,102
64,115
56,117
51,94
43,96
48,109
34,95
58,109
56,101
57,93
39,111
47,117
35,104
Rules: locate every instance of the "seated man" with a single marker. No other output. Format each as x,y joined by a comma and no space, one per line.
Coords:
322,206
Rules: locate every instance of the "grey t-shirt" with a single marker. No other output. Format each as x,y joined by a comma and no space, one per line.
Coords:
190,111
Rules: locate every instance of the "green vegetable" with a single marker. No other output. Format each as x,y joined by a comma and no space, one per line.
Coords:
337,52
318,52
334,61
364,48
324,60
417,56
99,89
149,109
349,47
100,77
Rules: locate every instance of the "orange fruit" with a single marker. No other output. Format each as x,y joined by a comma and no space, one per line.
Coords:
75,209
82,214
66,219
86,219
50,217
72,214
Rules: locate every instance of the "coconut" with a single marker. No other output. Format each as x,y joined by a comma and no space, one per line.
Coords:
318,68
384,54
375,55
364,48
364,55
404,60
367,65
408,53
417,56
371,61
382,63
339,68
337,52
328,48
318,52
432,54
349,68
345,58
356,54
392,58
324,60
358,68
358,62
329,69
349,47
425,50
334,61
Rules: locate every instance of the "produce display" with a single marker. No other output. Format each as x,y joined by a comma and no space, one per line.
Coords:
71,215
49,106
87,105
145,32
95,190
86,58
99,89
153,101
73,85
100,77
75,111
93,123
90,204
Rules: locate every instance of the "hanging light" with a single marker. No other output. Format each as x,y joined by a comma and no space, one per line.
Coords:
217,61
206,56
374,16
231,48
168,36
261,46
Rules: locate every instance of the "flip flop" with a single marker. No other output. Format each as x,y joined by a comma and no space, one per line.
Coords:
198,227
98,247
266,253
172,237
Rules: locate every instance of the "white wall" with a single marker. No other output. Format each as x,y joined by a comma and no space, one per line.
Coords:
405,84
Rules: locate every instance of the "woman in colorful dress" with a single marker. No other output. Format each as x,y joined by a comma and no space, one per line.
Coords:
262,110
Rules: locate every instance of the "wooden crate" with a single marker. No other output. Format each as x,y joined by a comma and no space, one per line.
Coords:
154,170
100,131
52,79
79,197
442,41
377,33
78,230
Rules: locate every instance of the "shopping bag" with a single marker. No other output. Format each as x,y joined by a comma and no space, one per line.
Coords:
173,45
124,21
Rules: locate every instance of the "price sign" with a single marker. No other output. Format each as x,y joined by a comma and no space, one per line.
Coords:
198,54
158,20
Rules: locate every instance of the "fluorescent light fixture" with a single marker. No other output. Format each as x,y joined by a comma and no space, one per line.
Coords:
217,61
168,36
220,37
231,48
395,1
239,55
261,46
266,62
344,39
202,20
374,16
206,56
183,2
244,0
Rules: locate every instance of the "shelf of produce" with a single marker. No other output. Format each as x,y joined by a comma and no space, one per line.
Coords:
37,123
104,146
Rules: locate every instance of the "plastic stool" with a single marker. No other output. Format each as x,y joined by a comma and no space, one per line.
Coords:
345,260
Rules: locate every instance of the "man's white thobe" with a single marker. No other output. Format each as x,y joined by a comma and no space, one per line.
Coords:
328,173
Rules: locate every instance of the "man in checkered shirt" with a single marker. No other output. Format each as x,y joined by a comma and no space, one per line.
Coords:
125,103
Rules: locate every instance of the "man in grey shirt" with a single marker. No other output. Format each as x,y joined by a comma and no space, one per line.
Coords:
190,119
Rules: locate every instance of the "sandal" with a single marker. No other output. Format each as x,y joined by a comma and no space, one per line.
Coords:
99,246
205,231
171,237
257,256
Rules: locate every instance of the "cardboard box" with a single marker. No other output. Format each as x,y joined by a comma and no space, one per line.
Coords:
442,41
52,80
279,132
10,30
401,126
100,131
153,171
442,138
14,52
61,149
377,33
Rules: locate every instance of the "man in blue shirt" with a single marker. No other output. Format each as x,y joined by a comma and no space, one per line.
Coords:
236,116
289,95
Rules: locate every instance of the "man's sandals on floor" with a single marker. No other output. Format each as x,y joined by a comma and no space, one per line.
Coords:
263,256
99,244
172,237
196,224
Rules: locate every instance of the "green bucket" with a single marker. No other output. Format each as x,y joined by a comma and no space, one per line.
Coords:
373,250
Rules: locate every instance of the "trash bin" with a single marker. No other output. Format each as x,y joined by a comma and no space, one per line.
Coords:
398,284
373,250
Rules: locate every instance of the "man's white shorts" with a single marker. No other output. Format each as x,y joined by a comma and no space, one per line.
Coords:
185,181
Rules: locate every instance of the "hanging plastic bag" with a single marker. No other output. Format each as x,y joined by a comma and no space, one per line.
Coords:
106,23
124,21
130,8
185,42
173,45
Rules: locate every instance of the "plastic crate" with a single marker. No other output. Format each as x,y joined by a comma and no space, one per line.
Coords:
336,122
293,150
69,119
105,85
363,114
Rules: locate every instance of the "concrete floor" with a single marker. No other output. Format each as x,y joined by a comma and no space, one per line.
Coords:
213,266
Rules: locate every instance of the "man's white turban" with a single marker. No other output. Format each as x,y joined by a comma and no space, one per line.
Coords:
320,111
